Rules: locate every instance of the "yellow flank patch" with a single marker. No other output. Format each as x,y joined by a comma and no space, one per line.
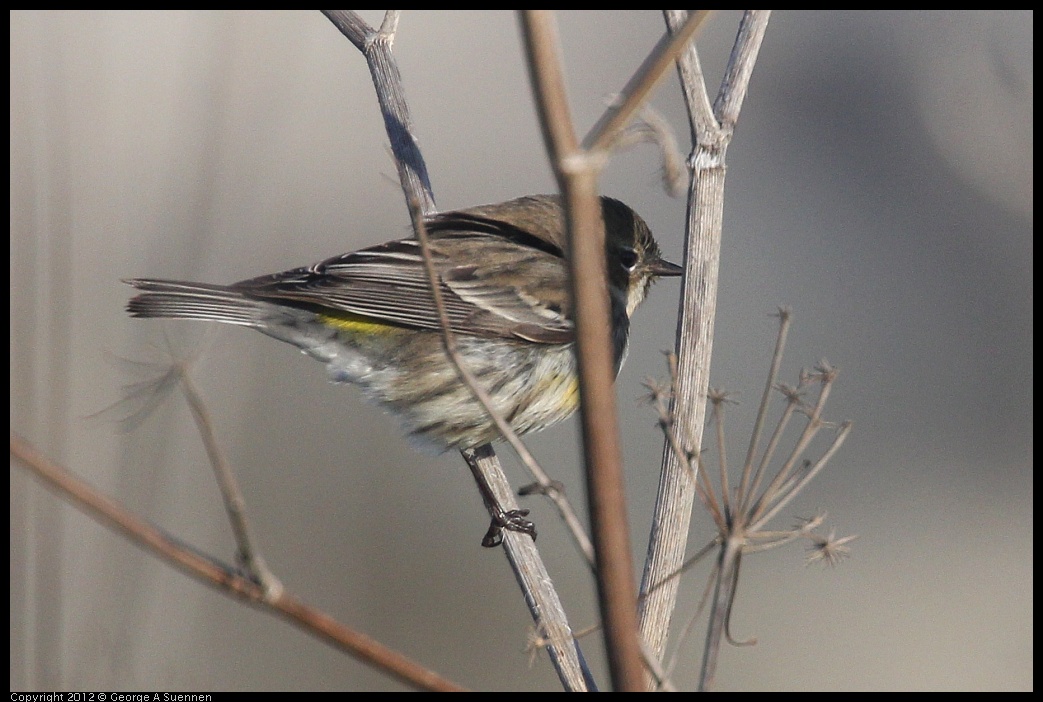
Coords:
572,393
567,393
356,324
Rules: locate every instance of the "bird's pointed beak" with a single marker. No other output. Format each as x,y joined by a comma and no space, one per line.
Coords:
663,268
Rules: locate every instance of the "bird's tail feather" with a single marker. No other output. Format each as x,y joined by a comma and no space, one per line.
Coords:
180,300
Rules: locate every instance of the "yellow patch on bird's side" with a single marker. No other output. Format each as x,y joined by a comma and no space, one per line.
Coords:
563,388
357,324
572,392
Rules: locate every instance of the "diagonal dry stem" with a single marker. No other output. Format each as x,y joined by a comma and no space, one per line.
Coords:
768,499
540,596
231,494
222,577
784,499
547,486
633,96
785,317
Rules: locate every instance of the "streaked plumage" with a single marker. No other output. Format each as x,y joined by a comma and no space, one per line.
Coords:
370,316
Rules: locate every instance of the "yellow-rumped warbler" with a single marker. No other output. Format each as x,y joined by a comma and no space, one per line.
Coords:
370,316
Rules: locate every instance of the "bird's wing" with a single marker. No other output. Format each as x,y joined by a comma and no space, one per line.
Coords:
500,290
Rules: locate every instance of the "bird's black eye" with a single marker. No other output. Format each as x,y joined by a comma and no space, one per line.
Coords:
628,258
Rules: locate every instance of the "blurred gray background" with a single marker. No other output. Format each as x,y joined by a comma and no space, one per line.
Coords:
880,183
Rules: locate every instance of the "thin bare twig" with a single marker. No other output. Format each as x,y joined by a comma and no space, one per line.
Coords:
546,485
718,399
375,45
785,318
577,167
536,584
789,494
772,499
646,77
235,504
651,127
741,519
223,578
577,179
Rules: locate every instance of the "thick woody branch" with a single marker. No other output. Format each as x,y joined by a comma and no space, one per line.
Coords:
694,342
